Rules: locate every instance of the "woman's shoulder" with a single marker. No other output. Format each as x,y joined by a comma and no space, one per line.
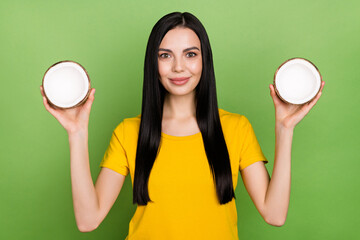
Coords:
232,117
133,120
129,124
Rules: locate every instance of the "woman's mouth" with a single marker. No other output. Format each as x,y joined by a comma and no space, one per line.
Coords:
179,81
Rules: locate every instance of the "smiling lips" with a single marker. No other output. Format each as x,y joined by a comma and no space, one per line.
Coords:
179,81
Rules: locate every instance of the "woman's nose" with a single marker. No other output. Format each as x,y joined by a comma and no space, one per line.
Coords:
178,65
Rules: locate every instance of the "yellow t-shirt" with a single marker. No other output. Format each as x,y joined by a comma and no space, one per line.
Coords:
181,186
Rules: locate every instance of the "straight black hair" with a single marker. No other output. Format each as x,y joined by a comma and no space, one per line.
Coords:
207,113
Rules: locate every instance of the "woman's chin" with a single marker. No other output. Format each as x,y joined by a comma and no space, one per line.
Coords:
179,93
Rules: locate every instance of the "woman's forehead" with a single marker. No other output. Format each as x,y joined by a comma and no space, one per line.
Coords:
179,39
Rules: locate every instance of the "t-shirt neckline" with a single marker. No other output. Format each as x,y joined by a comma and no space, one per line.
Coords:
188,137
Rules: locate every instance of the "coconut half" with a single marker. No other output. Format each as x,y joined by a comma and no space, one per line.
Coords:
66,84
297,81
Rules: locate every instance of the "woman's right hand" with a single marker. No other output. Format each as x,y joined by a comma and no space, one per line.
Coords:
73,119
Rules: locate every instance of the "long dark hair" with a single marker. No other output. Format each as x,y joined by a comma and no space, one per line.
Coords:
207,113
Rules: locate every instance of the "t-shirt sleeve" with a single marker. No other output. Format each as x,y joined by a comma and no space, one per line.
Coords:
115,155
250,151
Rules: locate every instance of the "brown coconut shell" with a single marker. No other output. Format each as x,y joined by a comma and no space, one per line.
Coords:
276,90
78,104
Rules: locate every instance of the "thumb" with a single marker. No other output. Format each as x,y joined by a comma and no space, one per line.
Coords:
272,93
274,96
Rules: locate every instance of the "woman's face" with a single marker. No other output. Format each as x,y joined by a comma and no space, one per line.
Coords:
180,57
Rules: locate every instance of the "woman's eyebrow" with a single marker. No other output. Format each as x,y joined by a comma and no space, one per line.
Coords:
185,50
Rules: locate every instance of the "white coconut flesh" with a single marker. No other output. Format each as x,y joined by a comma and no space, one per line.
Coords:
66,84
297,81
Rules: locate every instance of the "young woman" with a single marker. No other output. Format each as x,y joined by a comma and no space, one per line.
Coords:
183,152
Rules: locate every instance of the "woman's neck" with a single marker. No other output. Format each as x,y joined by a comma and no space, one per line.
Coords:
179,107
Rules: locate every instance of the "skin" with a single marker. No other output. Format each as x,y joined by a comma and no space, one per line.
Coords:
93,202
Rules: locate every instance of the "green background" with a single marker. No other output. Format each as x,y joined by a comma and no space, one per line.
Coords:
249,39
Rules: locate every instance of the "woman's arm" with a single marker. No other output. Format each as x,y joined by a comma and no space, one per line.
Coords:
271,196
91,203
85,199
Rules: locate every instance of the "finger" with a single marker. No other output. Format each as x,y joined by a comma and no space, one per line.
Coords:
305,109
90,99
301,113
322,85
314,101
273,94
308,106
42,91
47,105
44,98
320,91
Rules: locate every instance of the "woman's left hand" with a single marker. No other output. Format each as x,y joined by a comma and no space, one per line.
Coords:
289,115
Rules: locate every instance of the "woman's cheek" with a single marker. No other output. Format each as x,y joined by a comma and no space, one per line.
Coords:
163,68
196,67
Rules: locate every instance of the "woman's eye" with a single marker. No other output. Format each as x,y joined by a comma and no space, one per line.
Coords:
191,54
164,55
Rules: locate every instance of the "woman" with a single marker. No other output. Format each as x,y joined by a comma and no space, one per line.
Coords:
183,153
